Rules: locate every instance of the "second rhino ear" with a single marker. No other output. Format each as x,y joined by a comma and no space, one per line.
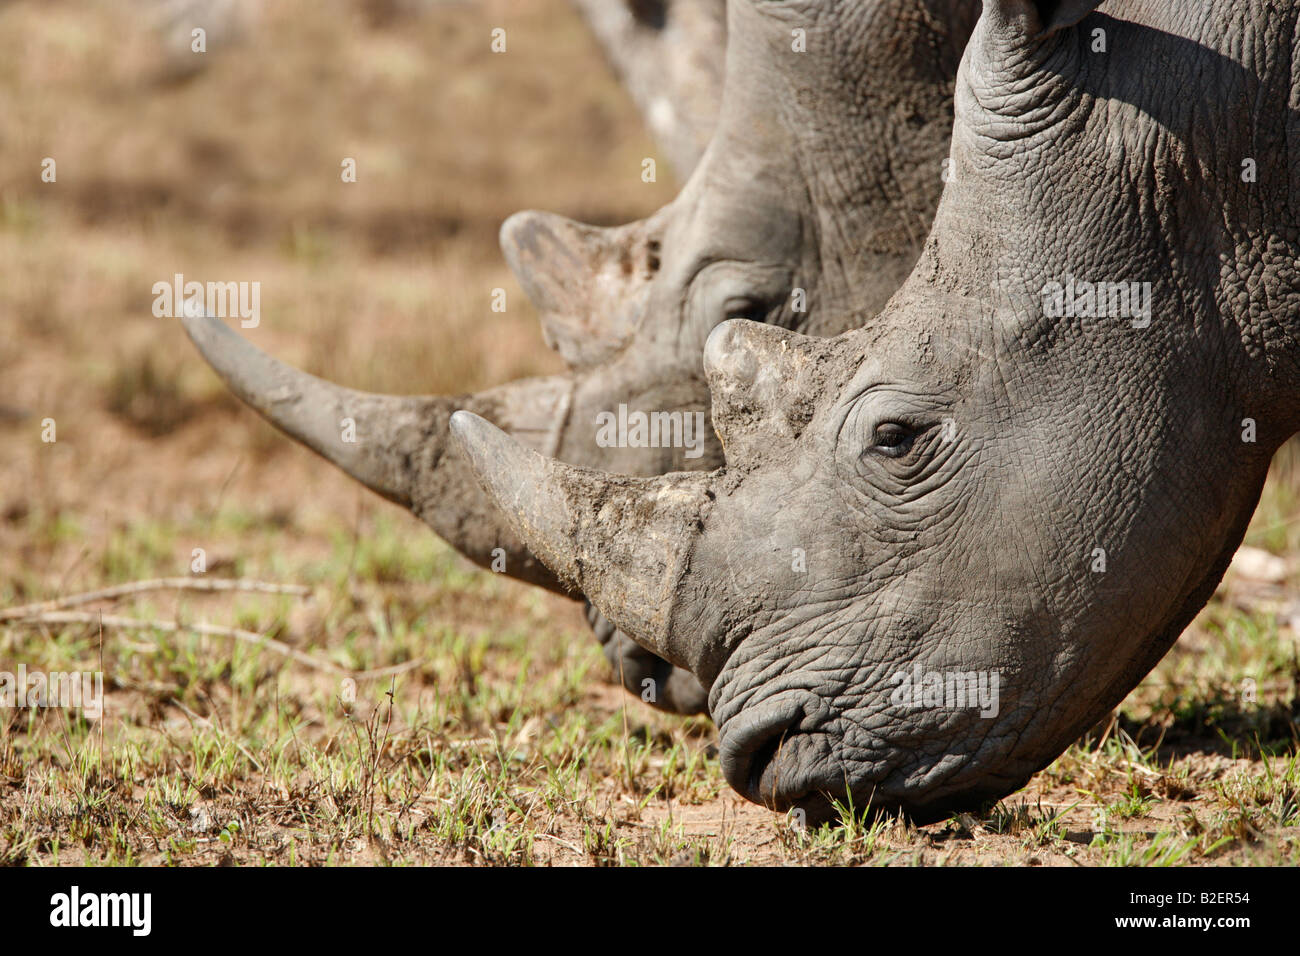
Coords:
1029,20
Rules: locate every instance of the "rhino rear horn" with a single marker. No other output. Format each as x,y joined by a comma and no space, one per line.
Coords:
762,379
589,283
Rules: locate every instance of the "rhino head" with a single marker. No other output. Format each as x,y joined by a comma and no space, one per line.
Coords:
843,140
946,543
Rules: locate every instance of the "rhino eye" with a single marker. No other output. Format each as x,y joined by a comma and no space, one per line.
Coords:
744,307
892,440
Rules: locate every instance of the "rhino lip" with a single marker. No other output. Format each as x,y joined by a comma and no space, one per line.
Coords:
750,748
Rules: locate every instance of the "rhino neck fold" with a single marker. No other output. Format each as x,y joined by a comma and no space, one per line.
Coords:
861,120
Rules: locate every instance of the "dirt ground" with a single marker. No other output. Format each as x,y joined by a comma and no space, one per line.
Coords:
486,727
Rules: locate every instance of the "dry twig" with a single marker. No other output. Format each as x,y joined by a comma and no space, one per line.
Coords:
153,584
212,630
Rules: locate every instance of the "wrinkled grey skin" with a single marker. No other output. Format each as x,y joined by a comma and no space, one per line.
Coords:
823,176
951,469
667,55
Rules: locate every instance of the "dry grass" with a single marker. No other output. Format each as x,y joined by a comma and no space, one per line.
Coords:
503,740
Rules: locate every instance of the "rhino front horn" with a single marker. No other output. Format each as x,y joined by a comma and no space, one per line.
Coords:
624,542
396,445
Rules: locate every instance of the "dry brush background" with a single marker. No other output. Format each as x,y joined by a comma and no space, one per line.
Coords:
494,733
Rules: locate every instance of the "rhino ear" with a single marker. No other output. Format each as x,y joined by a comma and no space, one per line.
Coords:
1034,19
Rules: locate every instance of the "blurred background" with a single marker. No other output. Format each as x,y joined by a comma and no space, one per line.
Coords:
226,166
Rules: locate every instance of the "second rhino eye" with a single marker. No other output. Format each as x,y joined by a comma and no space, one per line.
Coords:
892,439
745,307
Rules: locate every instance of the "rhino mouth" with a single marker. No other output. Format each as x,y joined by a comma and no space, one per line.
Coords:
786,754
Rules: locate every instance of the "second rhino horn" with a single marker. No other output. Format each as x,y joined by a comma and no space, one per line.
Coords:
397,445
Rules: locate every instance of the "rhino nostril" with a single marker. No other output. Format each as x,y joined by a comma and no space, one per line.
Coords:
751,743
761,761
